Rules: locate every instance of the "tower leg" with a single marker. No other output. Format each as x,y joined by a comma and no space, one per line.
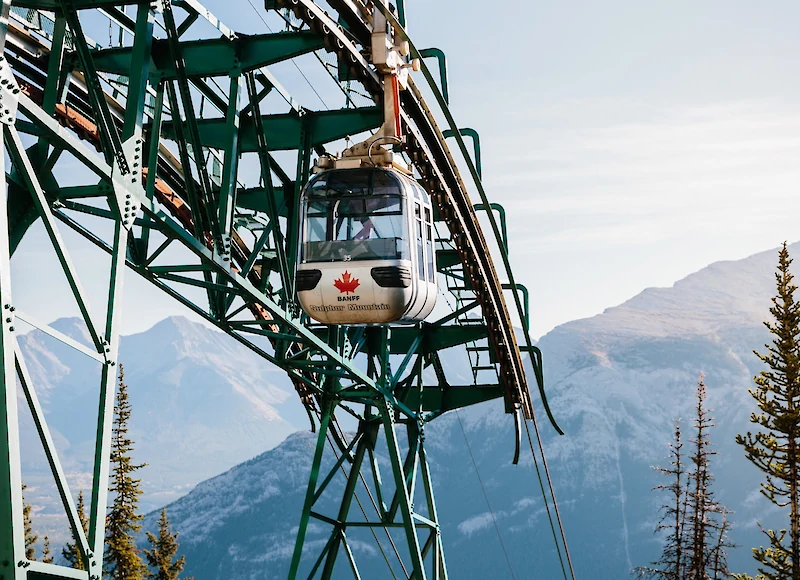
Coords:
402,493
435,539
105,416
338,535
12,542
426,560
311,491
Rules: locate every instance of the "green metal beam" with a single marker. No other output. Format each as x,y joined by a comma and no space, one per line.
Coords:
272,207
51,5
21,212
435,337
442,60
327,414
447,259
440,400
12,542
526,313
210,222
255,198
215,57
476,145
501,212
106,127
284,131
60,478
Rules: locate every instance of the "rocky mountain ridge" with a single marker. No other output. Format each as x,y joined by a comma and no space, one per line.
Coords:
616,382
201,404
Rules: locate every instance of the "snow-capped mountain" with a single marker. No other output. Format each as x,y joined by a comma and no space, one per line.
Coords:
201,403
615,381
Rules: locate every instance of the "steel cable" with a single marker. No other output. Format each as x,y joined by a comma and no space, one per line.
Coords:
374,505
363,512
485,496
546,503
324,104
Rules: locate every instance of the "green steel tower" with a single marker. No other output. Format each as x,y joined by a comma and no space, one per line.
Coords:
167,123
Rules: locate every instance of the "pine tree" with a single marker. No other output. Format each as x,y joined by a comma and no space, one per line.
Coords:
161,556
30,537
706,521
697,525
47,555
122,559
71,552
672,563
775,449
718,557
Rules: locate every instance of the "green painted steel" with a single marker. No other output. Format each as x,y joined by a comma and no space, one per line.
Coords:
501,212
12,544
476,143
214,57
288,131
526,315
453,127
439,55
161,124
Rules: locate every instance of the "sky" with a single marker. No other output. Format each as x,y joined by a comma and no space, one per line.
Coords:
631,143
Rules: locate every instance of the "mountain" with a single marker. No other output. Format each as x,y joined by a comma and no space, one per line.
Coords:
201,404
616,382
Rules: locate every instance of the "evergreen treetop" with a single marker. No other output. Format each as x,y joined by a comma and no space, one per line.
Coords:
707,519
122,559
775,447
47,554
164,547
696,524
71,552
672,563
30,537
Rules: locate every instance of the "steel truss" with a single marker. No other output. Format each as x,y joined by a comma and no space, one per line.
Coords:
359,455
160,123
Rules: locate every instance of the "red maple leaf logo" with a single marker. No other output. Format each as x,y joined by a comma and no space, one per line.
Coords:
346,284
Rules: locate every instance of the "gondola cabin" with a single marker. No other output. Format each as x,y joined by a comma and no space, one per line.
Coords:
366,251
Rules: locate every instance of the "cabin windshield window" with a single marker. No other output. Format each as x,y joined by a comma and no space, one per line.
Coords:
368,218
354,215
317,221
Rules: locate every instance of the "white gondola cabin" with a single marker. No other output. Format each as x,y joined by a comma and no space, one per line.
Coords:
367,248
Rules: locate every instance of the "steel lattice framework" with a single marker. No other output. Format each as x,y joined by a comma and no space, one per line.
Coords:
160,123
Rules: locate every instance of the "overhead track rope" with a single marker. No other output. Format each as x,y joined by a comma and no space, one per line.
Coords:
546,503
486,496
366,519
343,438
321,100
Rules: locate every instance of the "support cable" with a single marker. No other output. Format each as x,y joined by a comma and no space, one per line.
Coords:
345,91
485,496
293,61
374,503
541,484
364,513
343,437
546,503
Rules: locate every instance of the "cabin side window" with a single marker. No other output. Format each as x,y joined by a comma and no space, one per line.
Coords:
429,244
420,241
